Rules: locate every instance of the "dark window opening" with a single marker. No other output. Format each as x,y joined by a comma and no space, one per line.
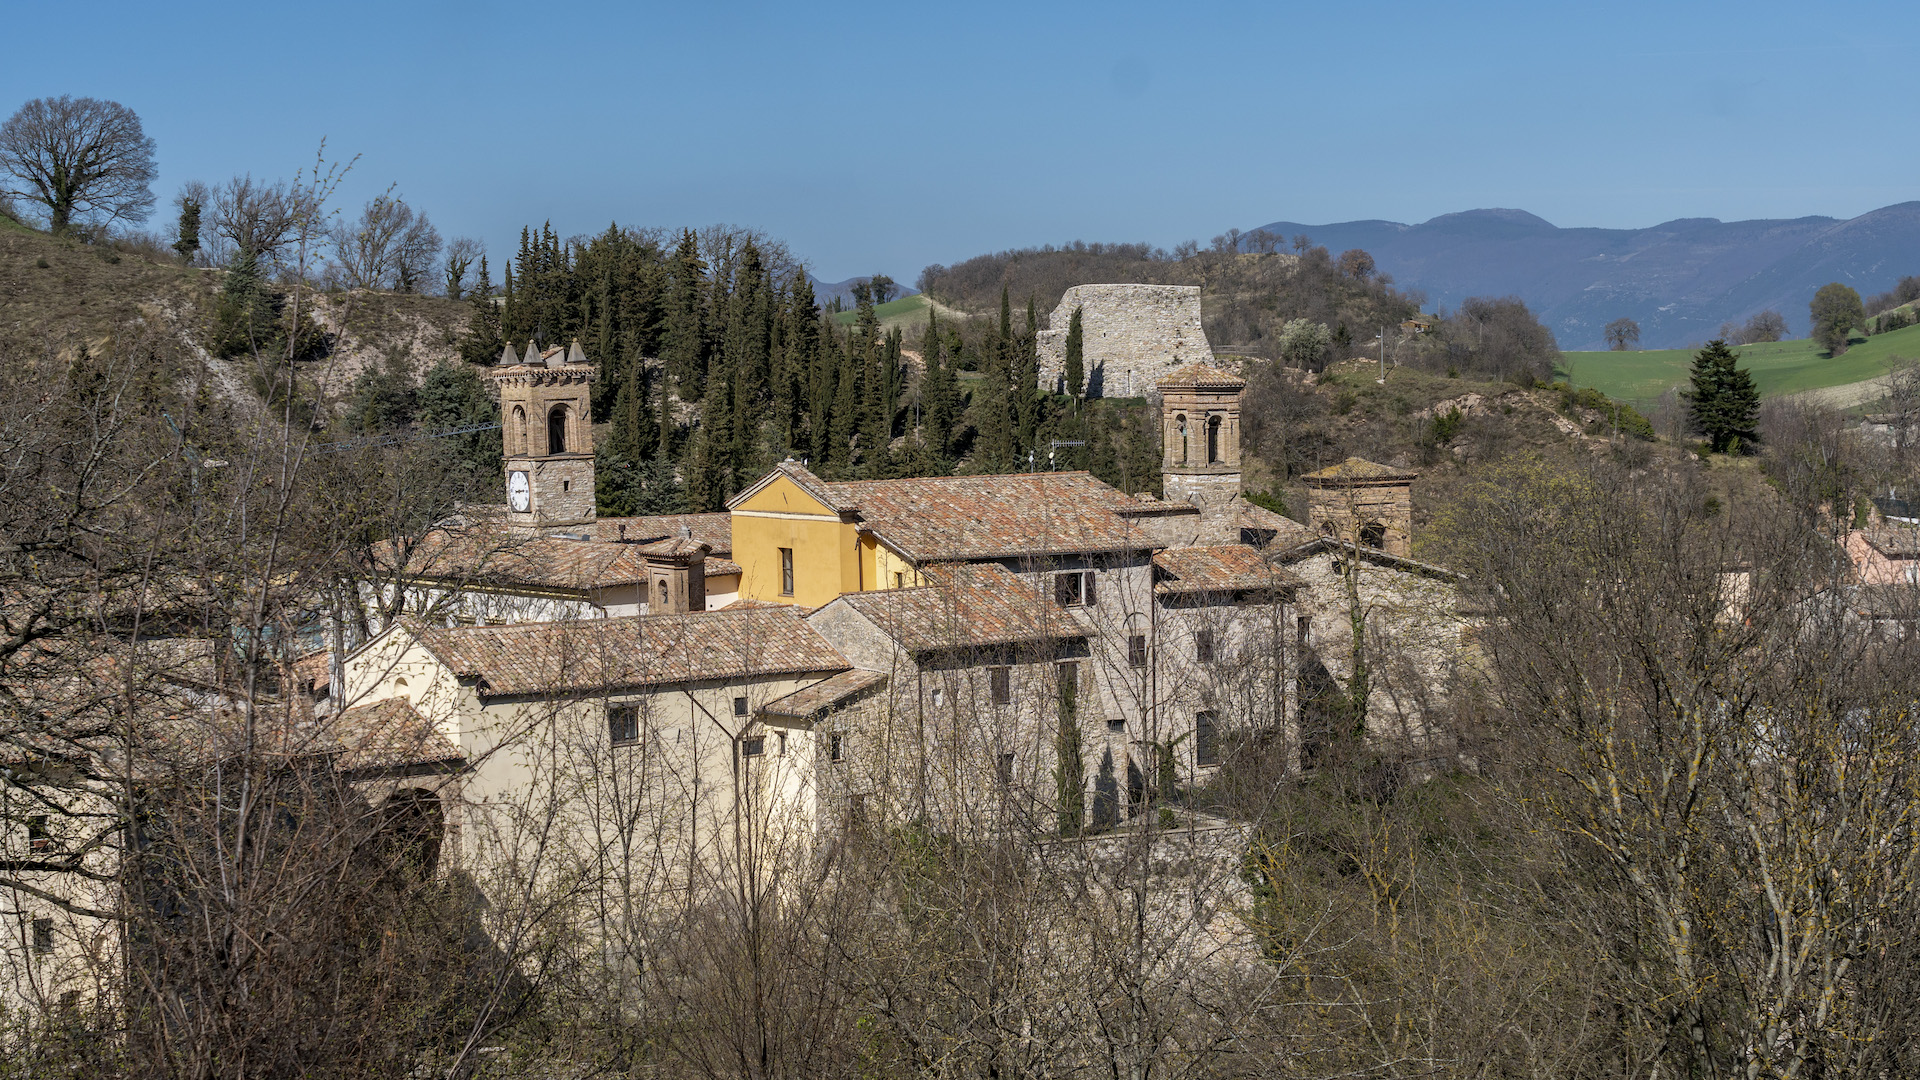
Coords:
1116,723
740,706
623,724
661,588
1181,420
1137,650
1000,684
43,935
1206,740
1301,624
836,748
1003,770
1203,646
1069,590
786,571
39,839
1213,440
1089,577
753,746
781,745
1373,534
557,430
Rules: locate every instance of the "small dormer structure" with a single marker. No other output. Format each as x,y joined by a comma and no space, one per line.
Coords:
1200,435
546,435
676,576
1365,503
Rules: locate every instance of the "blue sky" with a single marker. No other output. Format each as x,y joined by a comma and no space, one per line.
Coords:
876,138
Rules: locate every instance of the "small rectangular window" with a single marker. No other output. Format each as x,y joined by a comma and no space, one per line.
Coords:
1003,770
1069,590
39,838
899,579
43,935
1090,600
780,745
836,748
938,696
623,724
786,571
1203,646
753,746
1206,740
739,706
1301,625
1000,682
1116,723
1137,650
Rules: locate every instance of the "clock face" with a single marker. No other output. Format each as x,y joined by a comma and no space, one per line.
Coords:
519,492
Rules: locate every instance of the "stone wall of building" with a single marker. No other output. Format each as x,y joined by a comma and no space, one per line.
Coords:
1133,335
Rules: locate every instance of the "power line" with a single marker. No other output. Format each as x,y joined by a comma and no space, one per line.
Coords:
398,438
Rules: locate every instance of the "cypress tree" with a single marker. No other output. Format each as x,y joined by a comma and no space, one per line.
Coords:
484,340
684,348
1023,383
719,437
845,418
1076,363
1723,402
939,400
800,359
824,392
992,413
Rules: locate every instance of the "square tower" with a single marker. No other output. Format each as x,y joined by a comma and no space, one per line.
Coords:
1200,435
1362,502
546,435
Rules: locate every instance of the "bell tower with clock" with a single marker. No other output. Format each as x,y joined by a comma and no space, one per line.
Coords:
546,435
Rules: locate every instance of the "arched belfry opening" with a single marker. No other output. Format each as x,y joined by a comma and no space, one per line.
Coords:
1200,419
548,471
1213,440
1180,423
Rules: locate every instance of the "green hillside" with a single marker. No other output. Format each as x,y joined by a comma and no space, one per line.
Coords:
1779,367
908,312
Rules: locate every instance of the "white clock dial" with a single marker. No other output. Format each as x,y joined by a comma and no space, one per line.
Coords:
519,492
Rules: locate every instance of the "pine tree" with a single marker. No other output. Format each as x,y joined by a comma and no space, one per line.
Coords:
1076,361
1723,402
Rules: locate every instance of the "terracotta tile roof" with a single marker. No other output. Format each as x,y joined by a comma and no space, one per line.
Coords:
483,557
821,696
389,734
990,517
312,671
713,530
967,605
1284,530
1223,568
1899,543
1316,545
1200,375
674,547
1357,469
721,567
600,655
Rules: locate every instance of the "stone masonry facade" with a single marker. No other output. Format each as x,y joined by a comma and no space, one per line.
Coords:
1133,335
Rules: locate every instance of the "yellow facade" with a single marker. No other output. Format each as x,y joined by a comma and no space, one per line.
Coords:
827,559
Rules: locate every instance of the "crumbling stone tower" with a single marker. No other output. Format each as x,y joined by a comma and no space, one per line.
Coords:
546,435
1200,435
1363,502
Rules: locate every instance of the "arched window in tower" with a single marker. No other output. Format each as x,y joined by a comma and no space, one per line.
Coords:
1373,534
1213,440
517,432
557,430
1181,420
660,604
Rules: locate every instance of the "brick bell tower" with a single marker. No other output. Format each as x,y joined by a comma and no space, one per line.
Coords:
546,435
1200,435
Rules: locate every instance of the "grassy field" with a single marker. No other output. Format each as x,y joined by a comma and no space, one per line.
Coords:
1780,367
909,313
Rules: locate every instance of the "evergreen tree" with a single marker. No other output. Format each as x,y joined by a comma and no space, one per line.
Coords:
747,346
844,419
452,395
718,423
1023,383
1723,403
246,319
939,400
187,242
685,346
483,341
1076,362
1069,767
800,358
992,407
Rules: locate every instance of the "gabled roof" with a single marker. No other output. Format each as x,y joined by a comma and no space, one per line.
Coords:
1358,470
1221,568
589,656
933,519
1200,375
1894,542
826,694
968,605
793,471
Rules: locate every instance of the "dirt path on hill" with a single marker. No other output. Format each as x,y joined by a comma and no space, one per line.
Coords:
1850,395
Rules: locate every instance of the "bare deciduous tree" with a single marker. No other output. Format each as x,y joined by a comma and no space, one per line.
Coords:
462,252
390,245
82,158
259,217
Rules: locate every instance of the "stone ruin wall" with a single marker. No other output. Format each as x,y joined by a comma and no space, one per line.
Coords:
1133,335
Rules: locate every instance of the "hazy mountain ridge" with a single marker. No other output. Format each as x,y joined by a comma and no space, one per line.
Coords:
1679,280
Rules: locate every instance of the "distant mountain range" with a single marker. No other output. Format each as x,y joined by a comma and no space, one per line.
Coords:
1679,280
824,291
